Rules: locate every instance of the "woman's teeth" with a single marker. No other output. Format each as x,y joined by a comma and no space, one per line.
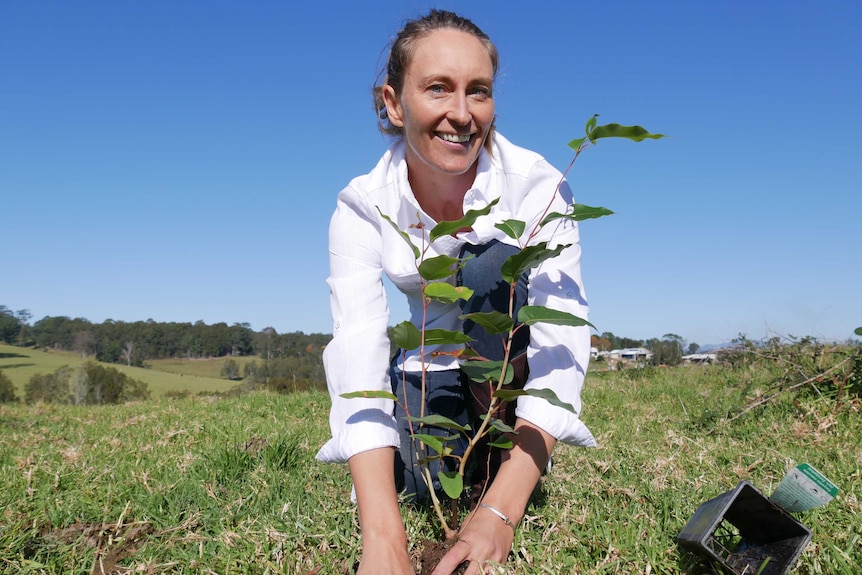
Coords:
456,138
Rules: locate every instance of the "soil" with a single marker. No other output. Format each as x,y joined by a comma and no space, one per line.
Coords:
431,554
424,559
750,560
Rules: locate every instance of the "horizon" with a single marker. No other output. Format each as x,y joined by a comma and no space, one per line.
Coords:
702,347
180,162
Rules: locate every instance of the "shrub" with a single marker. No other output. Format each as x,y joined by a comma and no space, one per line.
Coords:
230,369
88,384
7,390
49,387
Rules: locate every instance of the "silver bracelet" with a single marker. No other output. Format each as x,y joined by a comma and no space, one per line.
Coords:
499,514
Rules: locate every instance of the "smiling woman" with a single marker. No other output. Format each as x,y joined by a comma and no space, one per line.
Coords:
437,100
446,109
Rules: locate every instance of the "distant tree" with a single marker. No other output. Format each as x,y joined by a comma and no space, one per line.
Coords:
88,384
128,352
79,386
673,338
265,343
666,351
693,348
23,316
230,369
50,387
249,370
600,342
58,332
10,326
7,390
625,342
108,385
241,339
86,343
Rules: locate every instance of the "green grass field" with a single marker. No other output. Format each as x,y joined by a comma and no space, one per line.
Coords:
194,376
229,485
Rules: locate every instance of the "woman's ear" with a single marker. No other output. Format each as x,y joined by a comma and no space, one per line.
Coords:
393,106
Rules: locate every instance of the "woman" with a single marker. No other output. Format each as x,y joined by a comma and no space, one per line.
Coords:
437,100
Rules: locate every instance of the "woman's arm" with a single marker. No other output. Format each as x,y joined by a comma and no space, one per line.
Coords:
384,540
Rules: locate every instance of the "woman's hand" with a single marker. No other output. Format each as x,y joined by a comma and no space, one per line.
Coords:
384,540
484,537
380,557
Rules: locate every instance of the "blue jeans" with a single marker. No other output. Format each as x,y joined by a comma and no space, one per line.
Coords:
450,393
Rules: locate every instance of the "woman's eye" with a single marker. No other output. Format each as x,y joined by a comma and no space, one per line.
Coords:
482,92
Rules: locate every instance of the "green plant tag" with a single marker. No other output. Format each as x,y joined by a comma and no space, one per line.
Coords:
803,488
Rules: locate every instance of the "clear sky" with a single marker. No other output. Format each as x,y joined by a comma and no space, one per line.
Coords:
179,161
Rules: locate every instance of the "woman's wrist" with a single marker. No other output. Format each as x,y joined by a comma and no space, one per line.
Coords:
519,473
498,513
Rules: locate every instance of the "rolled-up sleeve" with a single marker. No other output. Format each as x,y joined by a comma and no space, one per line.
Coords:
357,357
558,355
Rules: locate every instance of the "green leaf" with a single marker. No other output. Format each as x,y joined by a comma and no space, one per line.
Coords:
493,322
406,335
438,268
858,331
487,371
403,234
367,394
591,124
577,143
512,228
438,420
529,257
448,228
452,483
579,213
447,293
509,394
633,133
499,425
432,441
546,394
502,443
445,336
530,314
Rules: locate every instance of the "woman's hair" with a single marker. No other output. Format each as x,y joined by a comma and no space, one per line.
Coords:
402,50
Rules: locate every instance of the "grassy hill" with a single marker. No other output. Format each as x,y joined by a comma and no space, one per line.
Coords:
194,376
231,484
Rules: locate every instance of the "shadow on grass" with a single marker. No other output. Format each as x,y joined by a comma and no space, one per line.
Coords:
14,365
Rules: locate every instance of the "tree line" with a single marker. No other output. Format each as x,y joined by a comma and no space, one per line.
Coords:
134,343
288,360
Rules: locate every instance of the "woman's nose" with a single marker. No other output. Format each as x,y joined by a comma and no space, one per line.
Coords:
459,111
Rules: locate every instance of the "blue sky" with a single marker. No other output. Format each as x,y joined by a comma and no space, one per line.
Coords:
180,160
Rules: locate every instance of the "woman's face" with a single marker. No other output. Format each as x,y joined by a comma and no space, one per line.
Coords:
446,106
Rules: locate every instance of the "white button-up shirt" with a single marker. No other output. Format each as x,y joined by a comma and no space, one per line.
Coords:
363,246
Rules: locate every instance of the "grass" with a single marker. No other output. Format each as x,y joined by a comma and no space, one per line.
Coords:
231,486
209,368
194,376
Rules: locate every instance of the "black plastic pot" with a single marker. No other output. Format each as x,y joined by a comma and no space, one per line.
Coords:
745,533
